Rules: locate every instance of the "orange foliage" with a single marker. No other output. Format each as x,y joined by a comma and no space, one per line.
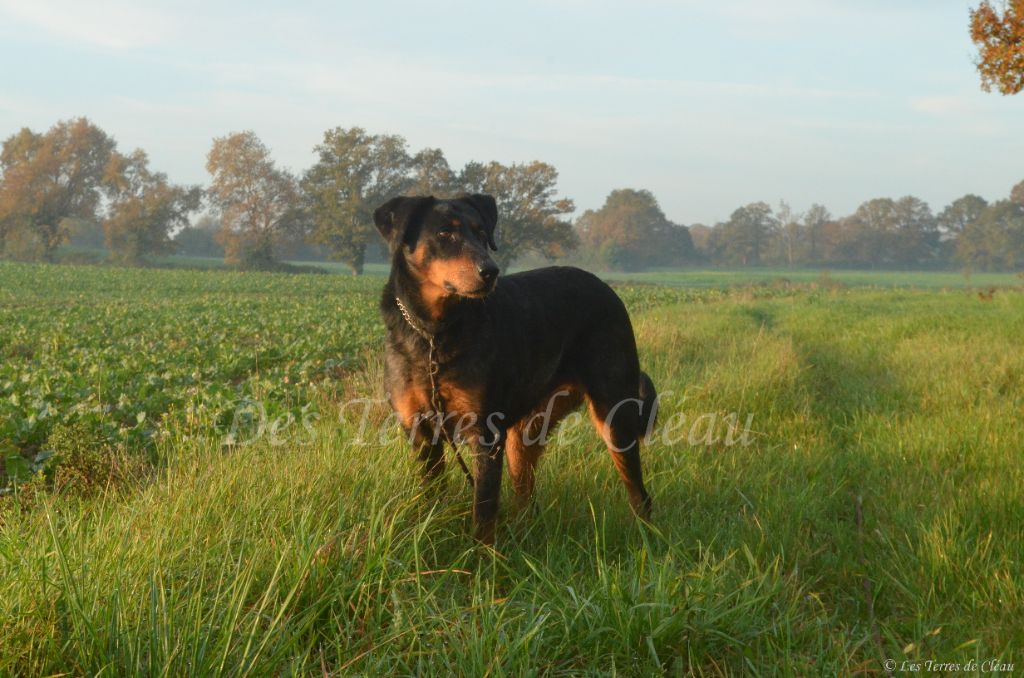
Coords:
1000,41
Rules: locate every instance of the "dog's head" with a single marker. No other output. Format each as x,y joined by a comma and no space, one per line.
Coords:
444,242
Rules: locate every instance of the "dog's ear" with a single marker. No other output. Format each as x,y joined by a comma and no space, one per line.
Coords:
488,209
394,217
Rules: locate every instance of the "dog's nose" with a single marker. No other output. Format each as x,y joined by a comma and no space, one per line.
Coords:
488,271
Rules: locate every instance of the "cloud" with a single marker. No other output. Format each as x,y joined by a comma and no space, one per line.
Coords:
108,24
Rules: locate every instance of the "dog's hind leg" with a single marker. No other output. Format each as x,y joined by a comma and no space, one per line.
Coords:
526,440
618,423
620,401
649,405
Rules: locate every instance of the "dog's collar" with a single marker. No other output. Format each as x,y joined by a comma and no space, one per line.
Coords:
416,327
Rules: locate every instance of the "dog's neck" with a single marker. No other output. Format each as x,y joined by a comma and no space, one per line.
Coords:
424,312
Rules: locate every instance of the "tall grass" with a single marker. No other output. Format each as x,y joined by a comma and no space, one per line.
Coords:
876,513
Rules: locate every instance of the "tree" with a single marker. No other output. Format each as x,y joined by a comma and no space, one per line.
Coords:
701,237
531,218
1017,194
355,173
47,178
431,174
15,181
914,237
676,246
1000,42
848,241
865,232
144,208
744,238
815,220
259,203
84,234
631,232
995,240
952,221
956,216
886,231
200,239
789,233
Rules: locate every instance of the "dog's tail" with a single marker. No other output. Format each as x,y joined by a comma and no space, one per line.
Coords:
648,404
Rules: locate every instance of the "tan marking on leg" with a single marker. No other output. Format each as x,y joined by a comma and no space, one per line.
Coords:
526,440
410,403
597,418
626,459
460,399
522,466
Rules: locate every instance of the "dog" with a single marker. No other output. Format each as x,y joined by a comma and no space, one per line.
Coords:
486,359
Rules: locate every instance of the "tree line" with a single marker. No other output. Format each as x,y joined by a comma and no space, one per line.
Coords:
970,232
71,183
57,184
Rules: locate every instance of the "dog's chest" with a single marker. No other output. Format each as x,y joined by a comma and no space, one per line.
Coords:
454,388
460,399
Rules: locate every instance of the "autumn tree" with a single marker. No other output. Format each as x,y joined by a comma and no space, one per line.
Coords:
815,220
355,173
144,208
744,238
861,239
914,235
259,203
48,178
1017,194
532,218
883,231
952,221
995,240
630,232
702,237
432,175
960,213
1000,41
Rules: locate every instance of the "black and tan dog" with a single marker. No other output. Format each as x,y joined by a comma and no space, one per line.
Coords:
508,356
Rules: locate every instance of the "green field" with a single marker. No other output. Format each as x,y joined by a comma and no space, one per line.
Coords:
780,276
203,501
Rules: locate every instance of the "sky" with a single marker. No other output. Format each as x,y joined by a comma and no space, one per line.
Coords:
710,105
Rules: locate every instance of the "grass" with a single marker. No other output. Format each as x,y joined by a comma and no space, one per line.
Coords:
856,278
874,514
686,277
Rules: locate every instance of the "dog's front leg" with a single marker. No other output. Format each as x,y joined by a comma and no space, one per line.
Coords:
423,435
430,454
488,462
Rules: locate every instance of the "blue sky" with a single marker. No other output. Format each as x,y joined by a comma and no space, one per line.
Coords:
710,105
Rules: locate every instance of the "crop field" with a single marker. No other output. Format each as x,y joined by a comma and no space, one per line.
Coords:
200,477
